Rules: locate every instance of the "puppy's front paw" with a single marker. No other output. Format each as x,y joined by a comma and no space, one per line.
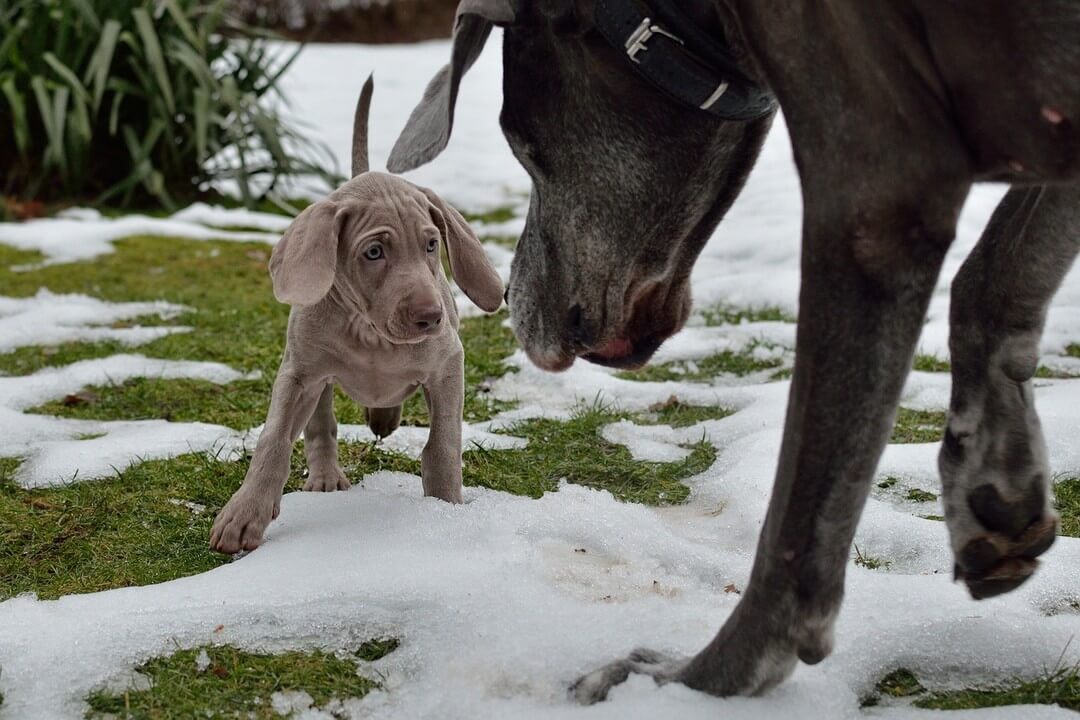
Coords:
327,480
241,523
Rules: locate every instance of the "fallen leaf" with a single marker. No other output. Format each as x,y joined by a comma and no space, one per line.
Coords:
24,209
671,402
83,397
730,588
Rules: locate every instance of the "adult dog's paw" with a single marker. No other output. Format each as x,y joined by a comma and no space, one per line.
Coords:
241,523
327,480
594,686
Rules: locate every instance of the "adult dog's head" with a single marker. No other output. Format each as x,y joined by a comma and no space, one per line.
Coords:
628,184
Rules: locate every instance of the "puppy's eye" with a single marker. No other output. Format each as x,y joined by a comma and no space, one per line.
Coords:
374,252
432,245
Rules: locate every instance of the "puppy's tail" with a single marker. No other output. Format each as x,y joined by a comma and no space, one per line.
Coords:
360,129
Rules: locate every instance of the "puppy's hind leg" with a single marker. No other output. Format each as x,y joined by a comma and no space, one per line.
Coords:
994,470
320,447
383,421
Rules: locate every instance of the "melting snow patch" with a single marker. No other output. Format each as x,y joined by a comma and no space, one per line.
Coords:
49,319
87,234
504,600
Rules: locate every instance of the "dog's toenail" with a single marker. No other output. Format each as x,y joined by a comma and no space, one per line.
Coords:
1052,115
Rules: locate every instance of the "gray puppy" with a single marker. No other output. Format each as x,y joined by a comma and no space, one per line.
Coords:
373,312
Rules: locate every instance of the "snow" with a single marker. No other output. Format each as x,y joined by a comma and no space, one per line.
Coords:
85,234
49,319
497,608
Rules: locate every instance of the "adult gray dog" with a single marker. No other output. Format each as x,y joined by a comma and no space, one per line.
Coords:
638,121
361,271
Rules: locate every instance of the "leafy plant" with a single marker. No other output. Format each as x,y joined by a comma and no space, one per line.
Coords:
125,101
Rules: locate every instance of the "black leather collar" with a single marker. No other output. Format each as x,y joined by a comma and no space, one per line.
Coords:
672,53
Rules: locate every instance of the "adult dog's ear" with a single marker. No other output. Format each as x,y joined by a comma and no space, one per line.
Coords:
304,261
428,130
472,270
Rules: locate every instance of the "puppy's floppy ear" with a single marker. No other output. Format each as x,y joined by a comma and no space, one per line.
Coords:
428,129
472,270
304,260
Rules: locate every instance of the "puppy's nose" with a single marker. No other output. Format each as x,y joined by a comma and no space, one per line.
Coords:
427,317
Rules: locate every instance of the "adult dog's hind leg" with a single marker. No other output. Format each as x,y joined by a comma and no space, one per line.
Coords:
993,462
869,267
320,447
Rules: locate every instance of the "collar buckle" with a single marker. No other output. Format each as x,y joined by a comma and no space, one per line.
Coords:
641,35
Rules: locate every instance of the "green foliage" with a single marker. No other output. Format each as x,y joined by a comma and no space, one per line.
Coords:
127,101
234,683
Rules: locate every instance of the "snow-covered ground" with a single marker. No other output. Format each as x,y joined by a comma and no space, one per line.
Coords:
496,609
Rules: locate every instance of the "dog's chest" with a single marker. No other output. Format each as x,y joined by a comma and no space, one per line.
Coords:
376,381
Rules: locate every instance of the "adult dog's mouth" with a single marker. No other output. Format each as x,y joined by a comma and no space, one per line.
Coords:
625,353
652,319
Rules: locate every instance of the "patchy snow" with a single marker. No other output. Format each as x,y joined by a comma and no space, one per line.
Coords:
85,234
497,608
58,450
49,319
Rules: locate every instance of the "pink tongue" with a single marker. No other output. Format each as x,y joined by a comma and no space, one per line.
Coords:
615,348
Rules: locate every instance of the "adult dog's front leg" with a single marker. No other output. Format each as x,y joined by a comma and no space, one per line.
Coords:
867,279
240,524
440,462
994,470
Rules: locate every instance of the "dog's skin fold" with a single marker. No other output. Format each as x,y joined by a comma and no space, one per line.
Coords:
372,312
894,109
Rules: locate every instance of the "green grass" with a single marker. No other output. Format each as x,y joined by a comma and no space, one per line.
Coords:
575,452
724,314
1067,496
678,414
918,426
135,530
235,320
376,648
1060,687
132,529
723,363
916,495
930,363
500,214
234,684
869,562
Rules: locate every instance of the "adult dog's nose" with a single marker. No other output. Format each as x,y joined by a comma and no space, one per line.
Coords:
427,317
580,331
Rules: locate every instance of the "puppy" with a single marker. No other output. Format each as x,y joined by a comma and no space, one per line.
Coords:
372,312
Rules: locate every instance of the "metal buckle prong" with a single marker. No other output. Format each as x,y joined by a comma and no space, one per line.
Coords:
636,42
